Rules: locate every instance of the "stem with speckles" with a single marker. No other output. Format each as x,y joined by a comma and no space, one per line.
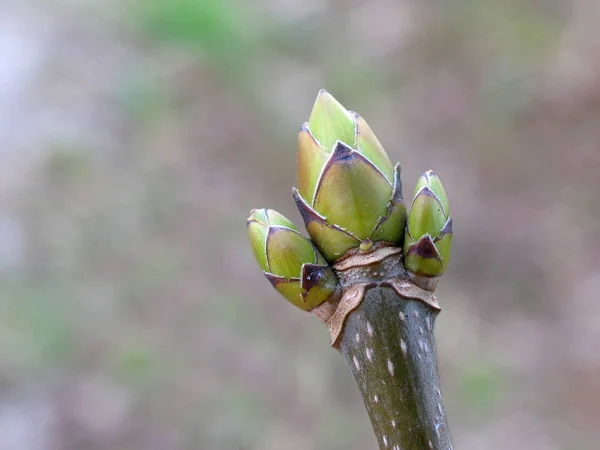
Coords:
388,343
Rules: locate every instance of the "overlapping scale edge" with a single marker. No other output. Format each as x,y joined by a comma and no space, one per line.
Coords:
443,242
352,193
368,145
331,240
427,215
290,288
257,234
275,218
423,258
311,160
391,227
431,180
287,251
318,283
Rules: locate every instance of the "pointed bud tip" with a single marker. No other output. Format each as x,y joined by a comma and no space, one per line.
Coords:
252,213
257,215
324,95
430,177
329,121
397,193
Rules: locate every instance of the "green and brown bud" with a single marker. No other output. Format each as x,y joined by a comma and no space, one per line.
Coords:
429,229
289,261
349,194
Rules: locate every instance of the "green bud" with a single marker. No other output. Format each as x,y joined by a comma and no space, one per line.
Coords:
432,181
348,190
330,122
352,193
289,260
429,229
330,239
368,144
311,160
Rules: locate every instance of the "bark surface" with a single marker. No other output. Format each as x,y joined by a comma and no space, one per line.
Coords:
388,343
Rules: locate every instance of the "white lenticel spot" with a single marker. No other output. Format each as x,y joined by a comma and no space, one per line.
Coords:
403,346
356,363
369,329
416,314
370,354
357,337
393,424
390,367
385,441
430,444
421,330
402,317
376,399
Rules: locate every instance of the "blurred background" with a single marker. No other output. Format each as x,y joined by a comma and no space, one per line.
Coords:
137,134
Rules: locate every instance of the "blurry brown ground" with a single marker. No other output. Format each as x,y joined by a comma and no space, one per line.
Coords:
135,136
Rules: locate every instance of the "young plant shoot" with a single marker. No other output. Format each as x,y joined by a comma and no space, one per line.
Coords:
368,271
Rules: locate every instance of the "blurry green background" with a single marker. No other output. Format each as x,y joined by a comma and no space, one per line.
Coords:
135,136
